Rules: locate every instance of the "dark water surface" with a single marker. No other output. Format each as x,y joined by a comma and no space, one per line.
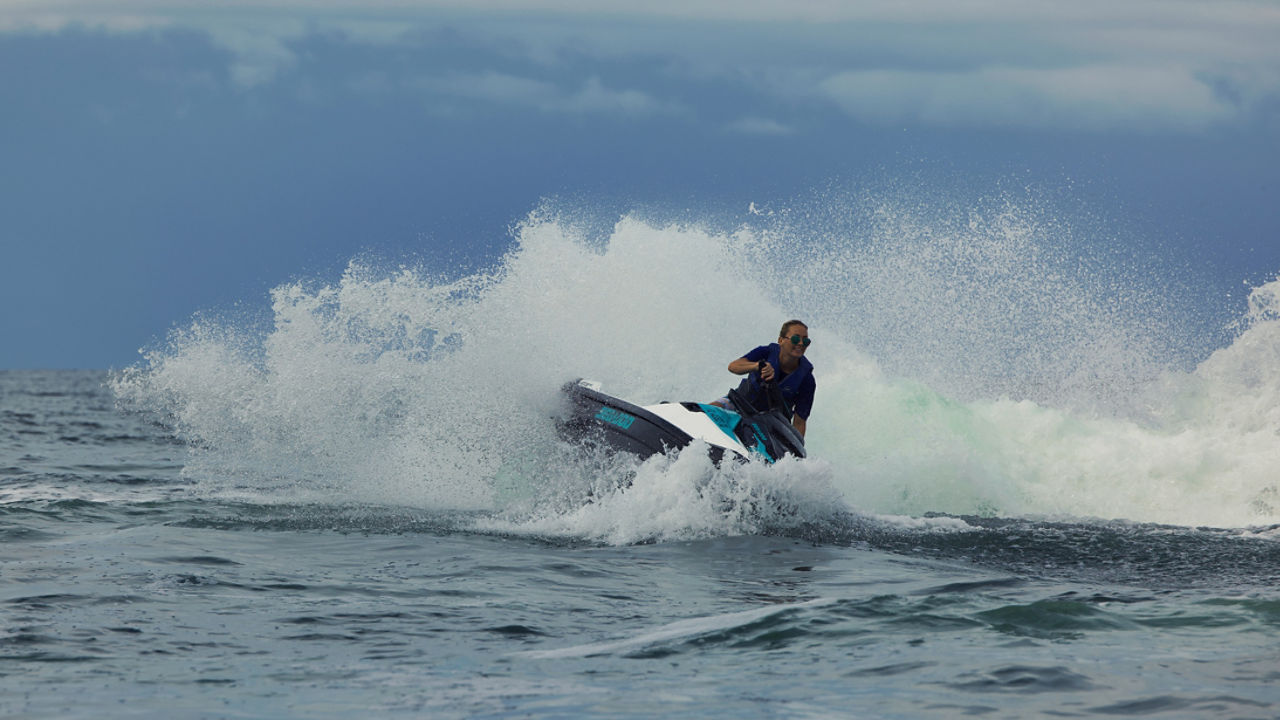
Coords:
126,590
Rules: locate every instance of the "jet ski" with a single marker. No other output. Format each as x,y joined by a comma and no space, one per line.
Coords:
744,433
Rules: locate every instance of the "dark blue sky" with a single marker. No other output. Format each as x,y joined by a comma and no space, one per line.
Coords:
159,163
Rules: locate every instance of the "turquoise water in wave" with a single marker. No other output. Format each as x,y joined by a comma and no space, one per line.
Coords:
1035,489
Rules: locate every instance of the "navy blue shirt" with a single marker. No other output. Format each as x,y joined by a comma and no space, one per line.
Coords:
800,395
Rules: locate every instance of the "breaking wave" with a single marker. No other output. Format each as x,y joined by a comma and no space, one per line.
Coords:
988,360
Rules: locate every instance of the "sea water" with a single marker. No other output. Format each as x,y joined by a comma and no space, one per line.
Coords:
1034,490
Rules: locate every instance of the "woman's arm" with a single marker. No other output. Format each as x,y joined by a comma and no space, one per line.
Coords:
742,366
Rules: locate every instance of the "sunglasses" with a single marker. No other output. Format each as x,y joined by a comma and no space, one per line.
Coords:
797,340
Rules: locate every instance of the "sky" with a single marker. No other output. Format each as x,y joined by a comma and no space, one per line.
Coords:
159,159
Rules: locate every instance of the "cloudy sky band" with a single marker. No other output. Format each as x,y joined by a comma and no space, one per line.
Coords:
1166,66
220,148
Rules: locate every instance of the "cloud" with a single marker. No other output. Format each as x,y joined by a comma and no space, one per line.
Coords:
260,54
759,126
814,11
1096,97
594,97
505,89
493,87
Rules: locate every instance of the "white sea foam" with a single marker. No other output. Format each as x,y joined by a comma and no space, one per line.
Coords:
685,497
974,366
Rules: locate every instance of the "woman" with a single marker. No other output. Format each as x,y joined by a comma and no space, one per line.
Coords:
785,364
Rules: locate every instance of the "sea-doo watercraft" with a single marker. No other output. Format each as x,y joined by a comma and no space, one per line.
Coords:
743,433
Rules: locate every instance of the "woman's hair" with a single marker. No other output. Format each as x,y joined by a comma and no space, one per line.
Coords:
787,326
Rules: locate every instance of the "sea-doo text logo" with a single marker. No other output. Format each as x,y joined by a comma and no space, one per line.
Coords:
615,417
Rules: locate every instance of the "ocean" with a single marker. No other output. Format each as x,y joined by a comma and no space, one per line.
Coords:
1037,487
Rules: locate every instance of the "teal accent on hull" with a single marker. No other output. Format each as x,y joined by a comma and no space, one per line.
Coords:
760,446
728,422
725,420
614,416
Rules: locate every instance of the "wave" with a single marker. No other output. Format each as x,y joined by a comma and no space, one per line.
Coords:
992,361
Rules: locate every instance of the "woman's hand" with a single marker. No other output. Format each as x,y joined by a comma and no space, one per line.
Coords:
766,372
